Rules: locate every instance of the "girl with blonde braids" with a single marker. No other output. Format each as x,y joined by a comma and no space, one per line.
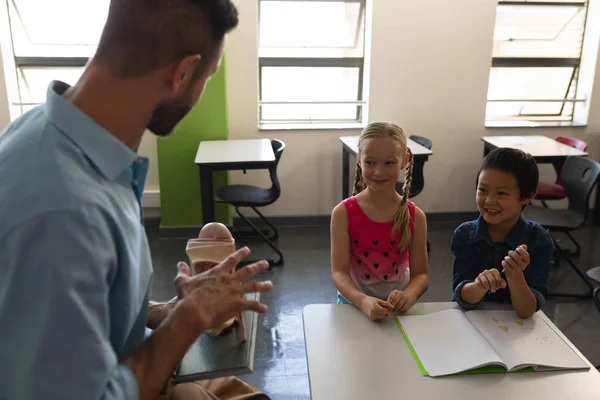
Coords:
379,237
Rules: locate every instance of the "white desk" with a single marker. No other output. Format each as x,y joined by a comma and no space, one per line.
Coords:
542,148
352,143
350,147
227,155
350,357
234,151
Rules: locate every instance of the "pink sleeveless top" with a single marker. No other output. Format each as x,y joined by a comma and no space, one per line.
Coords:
377,266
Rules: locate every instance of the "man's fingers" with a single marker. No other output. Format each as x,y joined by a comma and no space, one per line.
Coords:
253,287
183,272
255,306
250,270
228,265
502,283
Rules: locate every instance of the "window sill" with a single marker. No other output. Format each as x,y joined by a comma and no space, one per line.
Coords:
534,124
310,126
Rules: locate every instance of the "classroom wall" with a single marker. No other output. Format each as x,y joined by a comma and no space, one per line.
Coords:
429,73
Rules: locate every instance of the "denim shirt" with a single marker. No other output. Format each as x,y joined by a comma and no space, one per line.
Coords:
475,252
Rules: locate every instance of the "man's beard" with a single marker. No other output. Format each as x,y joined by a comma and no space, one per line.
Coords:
166,116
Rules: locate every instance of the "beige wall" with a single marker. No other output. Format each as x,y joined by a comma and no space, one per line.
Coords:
430,64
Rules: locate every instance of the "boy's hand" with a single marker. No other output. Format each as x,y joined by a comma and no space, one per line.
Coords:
400,300
490,280
375,308
516,261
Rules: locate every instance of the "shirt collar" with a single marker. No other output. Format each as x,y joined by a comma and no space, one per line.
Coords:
515,237
104,150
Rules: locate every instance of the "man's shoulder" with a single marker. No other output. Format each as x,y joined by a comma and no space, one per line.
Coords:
42,171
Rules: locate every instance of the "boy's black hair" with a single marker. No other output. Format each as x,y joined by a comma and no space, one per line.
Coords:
519,164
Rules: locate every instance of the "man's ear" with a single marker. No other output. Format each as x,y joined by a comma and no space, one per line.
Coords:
182,74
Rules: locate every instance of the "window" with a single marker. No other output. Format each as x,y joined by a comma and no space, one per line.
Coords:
311,61
536,58
50,40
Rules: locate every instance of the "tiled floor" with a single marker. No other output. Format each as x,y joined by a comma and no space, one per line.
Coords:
280,361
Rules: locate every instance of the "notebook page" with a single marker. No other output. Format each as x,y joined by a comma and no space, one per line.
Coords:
523,342
446,342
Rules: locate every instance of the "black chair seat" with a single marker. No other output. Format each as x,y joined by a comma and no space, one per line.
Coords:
245,196
554,219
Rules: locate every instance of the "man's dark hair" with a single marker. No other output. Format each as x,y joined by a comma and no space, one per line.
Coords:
519,164
141,36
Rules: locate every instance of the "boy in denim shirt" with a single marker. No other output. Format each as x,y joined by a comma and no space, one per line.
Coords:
501,256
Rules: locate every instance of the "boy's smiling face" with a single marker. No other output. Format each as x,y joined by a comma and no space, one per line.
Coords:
498,198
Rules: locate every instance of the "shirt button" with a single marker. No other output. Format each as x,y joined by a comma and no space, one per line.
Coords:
135,182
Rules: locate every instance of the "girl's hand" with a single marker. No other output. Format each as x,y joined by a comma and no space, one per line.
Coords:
400,300
490,280
375,308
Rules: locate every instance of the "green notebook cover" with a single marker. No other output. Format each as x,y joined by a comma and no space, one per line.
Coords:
482,370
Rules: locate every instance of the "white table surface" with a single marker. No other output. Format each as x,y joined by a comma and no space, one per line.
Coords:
537,146
234,151
350,357
416,148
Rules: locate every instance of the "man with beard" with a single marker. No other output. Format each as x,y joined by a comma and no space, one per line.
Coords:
75,265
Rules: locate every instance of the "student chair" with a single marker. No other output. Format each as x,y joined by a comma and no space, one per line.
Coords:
555,191
253,197
418,178
578,176
597,298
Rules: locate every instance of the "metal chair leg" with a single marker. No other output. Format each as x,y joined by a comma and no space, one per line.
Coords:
577,246
272,262
585,295
597,298
275,234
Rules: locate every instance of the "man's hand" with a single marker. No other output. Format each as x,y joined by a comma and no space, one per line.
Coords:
401,300
490,280
214,296
157,312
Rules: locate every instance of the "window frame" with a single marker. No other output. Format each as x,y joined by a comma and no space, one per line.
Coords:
21,62
542,62
295,62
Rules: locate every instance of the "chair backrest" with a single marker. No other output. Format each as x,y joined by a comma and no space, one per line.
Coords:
579,176
569,141
423,141
418,180
278,147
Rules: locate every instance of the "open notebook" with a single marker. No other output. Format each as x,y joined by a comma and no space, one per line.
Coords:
452,341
